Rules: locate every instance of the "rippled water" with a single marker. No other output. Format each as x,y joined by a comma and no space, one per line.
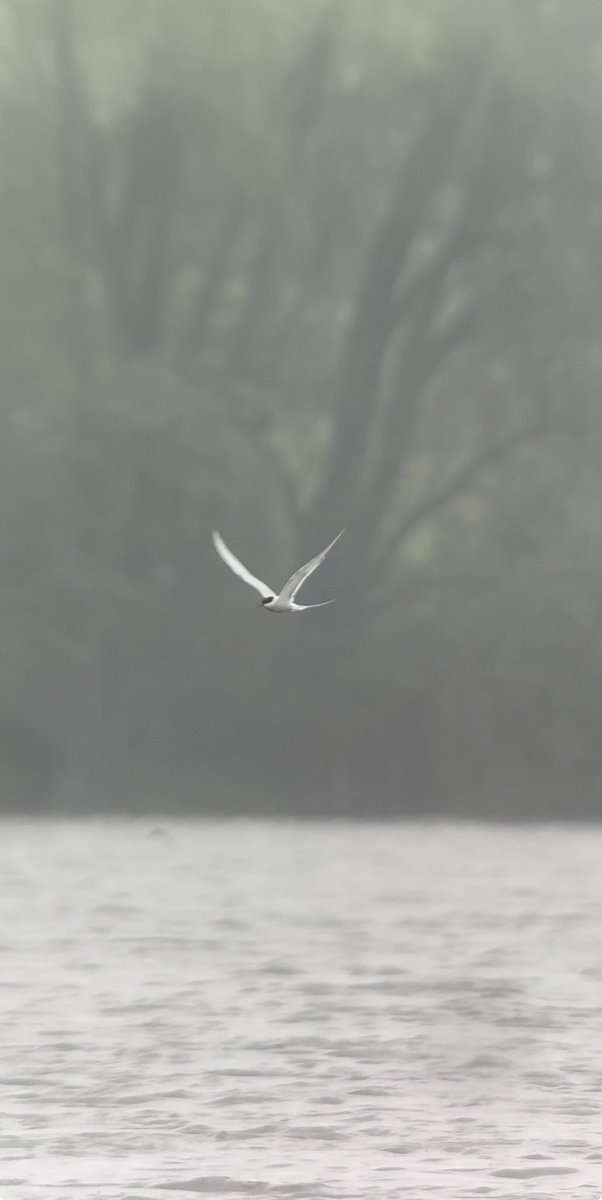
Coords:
233,1009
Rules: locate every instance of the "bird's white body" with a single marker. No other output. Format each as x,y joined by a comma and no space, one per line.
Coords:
278,602
278,605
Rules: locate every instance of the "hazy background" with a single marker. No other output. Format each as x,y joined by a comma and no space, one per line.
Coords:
279,268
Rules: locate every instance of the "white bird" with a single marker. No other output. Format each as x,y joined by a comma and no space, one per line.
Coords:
283,601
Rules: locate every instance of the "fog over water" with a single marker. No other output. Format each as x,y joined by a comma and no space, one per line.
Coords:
303,1010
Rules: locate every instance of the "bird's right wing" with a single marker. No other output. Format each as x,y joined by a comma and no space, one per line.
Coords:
232,562
292,585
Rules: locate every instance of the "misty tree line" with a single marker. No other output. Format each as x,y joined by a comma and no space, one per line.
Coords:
279,270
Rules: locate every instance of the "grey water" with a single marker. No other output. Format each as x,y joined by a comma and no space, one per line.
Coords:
300,1010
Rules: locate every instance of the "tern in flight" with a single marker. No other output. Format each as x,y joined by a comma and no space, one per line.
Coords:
280,602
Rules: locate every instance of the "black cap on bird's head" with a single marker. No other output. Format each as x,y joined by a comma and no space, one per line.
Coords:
266,600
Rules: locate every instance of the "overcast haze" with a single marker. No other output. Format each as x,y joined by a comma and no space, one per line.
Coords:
279,269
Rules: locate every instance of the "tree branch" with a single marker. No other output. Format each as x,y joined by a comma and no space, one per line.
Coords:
456,331
461,243
426,359
210,289
256,427
377,309
460,482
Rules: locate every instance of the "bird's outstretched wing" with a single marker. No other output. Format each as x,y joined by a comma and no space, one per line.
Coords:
292,585
232,562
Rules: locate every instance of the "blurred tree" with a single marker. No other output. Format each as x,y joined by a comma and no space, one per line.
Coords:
291,268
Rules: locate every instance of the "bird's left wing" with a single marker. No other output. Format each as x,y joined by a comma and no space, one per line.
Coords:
233,563
292,585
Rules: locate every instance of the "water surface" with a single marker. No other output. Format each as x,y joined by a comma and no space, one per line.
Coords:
311,1011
